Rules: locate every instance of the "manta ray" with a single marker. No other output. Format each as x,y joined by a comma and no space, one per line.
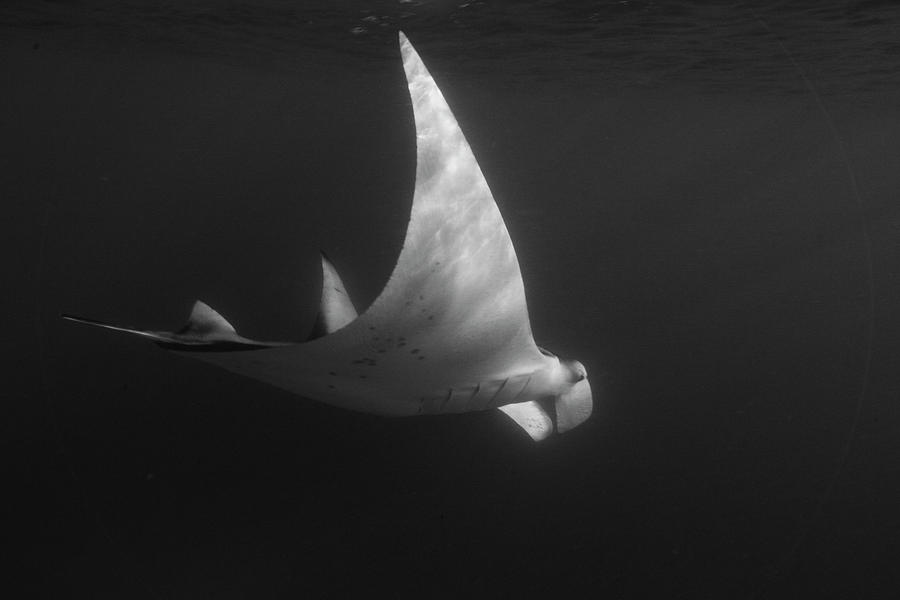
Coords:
450,331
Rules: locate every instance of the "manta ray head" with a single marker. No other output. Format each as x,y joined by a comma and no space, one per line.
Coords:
575,401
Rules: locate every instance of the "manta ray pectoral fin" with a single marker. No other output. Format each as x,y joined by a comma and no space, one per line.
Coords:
336,310
531,417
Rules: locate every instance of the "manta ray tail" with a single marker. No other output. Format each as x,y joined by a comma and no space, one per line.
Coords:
205,330
159,337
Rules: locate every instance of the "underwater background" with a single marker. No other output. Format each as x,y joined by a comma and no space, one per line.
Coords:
704,202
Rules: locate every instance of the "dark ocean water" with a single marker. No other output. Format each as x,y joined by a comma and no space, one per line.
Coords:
704,205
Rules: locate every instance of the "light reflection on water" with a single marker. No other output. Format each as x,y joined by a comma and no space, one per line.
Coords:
848,47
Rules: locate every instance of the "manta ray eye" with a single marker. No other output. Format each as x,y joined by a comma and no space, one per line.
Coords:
577,372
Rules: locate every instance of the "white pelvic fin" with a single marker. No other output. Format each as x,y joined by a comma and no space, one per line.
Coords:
204,322
530,417
336,310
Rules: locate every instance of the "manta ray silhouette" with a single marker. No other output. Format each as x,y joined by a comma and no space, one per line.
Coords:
449,332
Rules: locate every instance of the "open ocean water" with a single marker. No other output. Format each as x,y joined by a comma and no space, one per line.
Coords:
704,202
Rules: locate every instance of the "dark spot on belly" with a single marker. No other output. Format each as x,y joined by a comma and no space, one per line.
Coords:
382,351
414,351
330,387
431,317
332,373
371,327
401,344
363,376
421,358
